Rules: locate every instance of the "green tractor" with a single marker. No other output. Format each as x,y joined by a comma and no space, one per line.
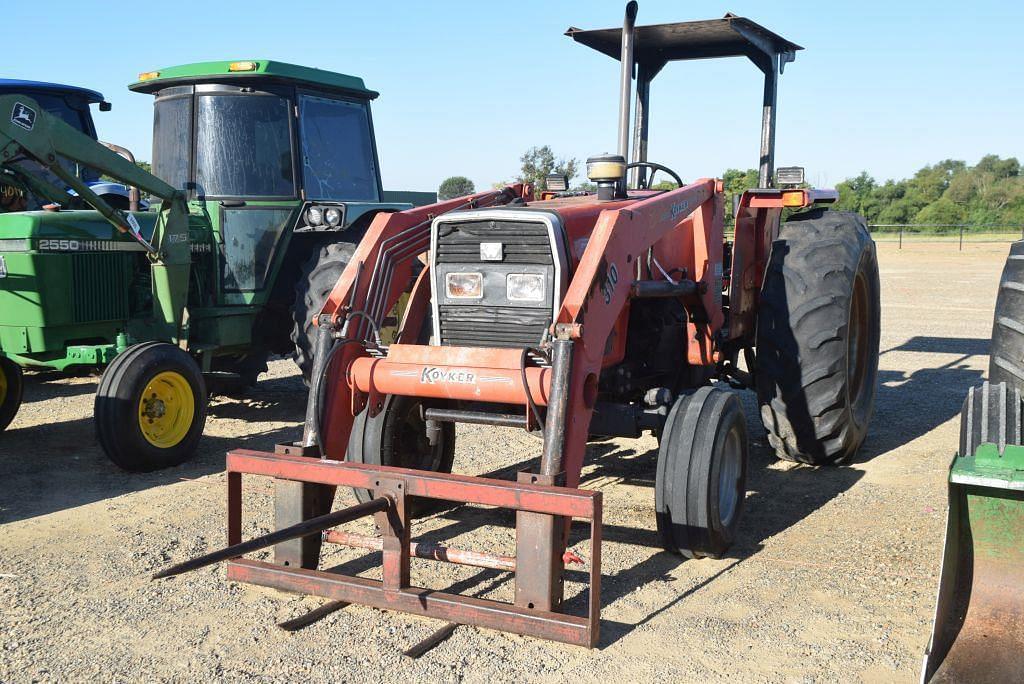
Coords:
265,177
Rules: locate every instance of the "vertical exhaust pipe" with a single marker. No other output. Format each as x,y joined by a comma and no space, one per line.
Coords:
626,85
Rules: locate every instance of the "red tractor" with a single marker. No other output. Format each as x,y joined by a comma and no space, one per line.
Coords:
578,316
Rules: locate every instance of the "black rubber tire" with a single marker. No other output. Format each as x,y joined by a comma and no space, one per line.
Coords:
117,407
14,388
318,277
688,483
818,326
1006,356
380,440
991,414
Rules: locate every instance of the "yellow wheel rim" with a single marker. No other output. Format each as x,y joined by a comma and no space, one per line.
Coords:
166,409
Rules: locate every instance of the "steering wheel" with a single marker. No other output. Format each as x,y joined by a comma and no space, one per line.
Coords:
645,183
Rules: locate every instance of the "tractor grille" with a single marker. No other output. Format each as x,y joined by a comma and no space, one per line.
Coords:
99,286
493,321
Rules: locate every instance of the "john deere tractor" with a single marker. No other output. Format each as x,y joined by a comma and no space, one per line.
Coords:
266,175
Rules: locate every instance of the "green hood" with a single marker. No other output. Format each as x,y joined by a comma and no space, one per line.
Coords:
66,225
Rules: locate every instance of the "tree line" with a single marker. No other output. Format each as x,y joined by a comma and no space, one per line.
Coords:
943,195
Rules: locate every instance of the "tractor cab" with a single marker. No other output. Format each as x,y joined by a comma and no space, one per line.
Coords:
265,149
71,105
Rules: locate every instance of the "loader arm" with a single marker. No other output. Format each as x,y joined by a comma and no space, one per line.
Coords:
27,131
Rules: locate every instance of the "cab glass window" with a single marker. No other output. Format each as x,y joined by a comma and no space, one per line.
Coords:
337,150
243,146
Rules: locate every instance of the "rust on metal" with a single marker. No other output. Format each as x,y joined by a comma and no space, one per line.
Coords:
394,591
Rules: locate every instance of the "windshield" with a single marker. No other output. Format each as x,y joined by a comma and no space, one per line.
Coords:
72,111
337,150
243,146
172,138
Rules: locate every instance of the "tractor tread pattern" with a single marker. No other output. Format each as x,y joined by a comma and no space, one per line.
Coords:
801,363
318,277
991,414
1006,357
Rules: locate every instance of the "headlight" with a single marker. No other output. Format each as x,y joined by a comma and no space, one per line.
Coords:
315,216
524,287
332,216
464,285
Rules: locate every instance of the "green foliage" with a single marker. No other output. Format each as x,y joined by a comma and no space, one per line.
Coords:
665,185
736,183
455,186
539,162
949,192
144,165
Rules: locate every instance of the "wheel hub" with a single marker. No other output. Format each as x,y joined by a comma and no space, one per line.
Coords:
166,409
729,474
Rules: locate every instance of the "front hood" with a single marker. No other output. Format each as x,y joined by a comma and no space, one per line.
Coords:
80,225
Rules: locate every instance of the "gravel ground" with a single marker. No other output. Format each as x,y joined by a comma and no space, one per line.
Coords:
833,577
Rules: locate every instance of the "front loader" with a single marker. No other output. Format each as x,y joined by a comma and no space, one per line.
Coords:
575,317
270,174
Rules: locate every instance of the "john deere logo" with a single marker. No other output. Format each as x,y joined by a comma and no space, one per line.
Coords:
432,375
24,116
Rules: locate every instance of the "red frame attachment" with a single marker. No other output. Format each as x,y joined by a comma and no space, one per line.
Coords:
395,592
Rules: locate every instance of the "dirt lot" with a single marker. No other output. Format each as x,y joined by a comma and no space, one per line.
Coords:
833,577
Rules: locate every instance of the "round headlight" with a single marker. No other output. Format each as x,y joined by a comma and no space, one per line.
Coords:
333,217
315,216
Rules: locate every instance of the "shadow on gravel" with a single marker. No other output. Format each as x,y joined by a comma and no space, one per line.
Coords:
46,385
50,468
911,405
777,500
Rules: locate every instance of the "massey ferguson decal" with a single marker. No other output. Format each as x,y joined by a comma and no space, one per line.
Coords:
431,375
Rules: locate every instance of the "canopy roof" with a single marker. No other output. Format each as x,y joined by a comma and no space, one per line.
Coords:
265,69
656,44
14,85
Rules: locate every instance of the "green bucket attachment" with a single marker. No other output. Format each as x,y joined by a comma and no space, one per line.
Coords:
978,634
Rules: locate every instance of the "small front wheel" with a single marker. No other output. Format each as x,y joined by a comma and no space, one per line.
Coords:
150,407
397,436
702,473
11,386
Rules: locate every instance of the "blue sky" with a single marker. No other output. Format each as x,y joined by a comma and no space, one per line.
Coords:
467,86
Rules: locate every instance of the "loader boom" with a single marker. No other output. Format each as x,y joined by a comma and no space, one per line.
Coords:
27,131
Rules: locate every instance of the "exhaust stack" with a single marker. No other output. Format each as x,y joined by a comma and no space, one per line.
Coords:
626,85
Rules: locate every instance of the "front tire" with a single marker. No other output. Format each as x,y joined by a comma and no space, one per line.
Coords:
150,407
701,478
818,331
12,386
396,436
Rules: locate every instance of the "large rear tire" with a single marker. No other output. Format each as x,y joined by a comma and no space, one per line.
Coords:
991,414
701,477
817,338
317,278
1006,357
150,407
12,385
